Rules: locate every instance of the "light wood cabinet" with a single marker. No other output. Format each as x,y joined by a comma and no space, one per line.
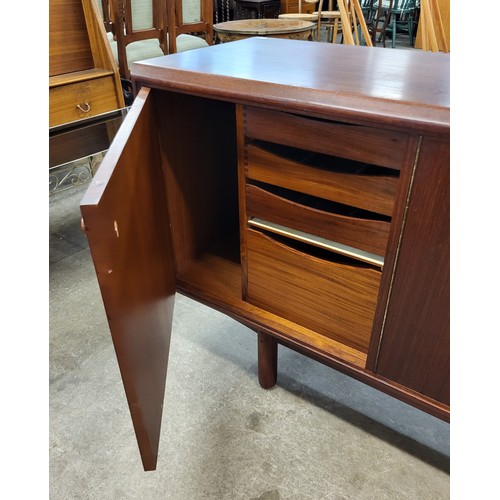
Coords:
310,202
83,76
292,6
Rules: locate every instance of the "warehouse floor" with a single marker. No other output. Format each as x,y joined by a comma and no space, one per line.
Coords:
317,435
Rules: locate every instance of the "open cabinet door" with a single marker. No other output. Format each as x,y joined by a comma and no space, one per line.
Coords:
125,217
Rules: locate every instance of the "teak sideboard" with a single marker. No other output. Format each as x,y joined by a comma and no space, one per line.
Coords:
302,189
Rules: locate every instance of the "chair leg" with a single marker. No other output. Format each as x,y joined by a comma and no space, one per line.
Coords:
335,31
394,33
410,29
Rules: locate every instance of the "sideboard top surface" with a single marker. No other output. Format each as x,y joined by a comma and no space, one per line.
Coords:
409,88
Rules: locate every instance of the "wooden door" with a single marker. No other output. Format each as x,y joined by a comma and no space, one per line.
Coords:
125,217
415,343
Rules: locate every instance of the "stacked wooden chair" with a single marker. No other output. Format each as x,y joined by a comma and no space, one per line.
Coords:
142,29
377,15
347,18
354,28
431,28
330,18
312,17
402,15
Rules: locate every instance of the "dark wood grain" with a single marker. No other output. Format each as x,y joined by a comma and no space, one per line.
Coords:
334,299
77,144
225,296
364,234
268,360
397,89
414,348
390,261
364,144
199,156
125,217
375,193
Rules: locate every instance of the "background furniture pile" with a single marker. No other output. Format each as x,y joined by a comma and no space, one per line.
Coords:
142,29
83,75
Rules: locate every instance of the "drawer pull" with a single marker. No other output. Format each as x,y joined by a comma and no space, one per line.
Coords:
85,108
348,251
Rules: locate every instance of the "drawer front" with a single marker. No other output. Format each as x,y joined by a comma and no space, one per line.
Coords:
361,233
373,192
336,300
81,100
369,145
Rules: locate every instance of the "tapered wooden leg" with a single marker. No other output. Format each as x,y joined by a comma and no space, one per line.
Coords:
268,360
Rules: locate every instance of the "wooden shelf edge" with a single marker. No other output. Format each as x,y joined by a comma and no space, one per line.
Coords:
260,319
78,76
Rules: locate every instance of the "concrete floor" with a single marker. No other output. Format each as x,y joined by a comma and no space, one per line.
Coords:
317,435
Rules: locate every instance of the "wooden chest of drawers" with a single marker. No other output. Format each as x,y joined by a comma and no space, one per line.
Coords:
310,202
84,79
85,98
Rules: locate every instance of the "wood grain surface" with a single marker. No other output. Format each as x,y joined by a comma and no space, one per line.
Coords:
366,144
369,192
125,217
414,348
364,234
337,300
69,46
397,89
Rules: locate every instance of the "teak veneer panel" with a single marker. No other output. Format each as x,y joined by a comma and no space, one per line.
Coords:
375,193
125,216
69,46
335,300
202,200
225,296
420,295
364,234
410,92
365,144
78,76
82,100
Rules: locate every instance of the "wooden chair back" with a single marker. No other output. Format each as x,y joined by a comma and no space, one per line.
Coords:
137,20
403,6
354,29
189,17
378,15
305,14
